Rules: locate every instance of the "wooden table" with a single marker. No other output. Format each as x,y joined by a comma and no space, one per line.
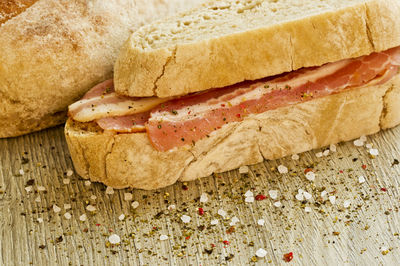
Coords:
35,175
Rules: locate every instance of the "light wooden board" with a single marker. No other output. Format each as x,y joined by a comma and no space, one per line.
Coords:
364,230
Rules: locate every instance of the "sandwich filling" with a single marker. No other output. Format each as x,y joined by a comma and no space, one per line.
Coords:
175,122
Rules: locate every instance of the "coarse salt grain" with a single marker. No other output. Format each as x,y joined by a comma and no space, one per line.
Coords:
222,213
66,181
186,219
374,152
70,172
41,188
128,196
346,203
38,199
369,146
332,199
299,196
91,208
261,253
87,183
248,194
307,195
203,197
332,148
67,206
319,154
261,222
109,190
234,221
67,215
163,237
273,194
114,239
324,193
307,209
361,179
214,222
310,176
83,217
282,169
121,217
295,157
171,207
56,209
277,204
21,171
28,189
326,153
358,143
135,204
249,199
93,197
243,169
40,220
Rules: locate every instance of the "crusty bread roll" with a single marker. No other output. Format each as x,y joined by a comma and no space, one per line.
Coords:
129,160
53,51
225,42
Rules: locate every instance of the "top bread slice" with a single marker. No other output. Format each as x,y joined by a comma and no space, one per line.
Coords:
52,52
225,42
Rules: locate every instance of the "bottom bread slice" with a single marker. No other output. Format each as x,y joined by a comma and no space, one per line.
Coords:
129,160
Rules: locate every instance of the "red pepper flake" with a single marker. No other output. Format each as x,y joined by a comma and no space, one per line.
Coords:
238,115
187,238
226,242
98,224
260,197
341,171
155,228
201,211
184,187
85,230
364,166
242,106
288,257
307,170
222,105
213,245
383,189
110,230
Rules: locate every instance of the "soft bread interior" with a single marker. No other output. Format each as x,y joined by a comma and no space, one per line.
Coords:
129,160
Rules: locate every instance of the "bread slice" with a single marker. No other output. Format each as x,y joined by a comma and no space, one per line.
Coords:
129,160
52,52
225,42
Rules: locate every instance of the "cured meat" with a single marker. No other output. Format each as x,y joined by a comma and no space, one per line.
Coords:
102,101
185,120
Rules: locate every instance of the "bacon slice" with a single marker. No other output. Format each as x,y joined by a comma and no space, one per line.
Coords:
102,101
185,120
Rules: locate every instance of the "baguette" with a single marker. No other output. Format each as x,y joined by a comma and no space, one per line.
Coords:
129,160
52,52
225,42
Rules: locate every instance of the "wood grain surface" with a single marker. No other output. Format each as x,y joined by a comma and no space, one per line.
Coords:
365,233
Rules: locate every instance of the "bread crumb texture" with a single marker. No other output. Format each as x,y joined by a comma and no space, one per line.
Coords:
129,160
225,42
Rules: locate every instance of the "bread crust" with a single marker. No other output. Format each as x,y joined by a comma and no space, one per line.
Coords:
129,160
178,68
54,51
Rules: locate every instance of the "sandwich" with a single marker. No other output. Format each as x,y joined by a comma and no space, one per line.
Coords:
52,52
232,83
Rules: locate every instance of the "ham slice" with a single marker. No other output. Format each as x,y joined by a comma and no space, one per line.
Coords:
185,120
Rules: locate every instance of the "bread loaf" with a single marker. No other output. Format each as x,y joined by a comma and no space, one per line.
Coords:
225,42
53,51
